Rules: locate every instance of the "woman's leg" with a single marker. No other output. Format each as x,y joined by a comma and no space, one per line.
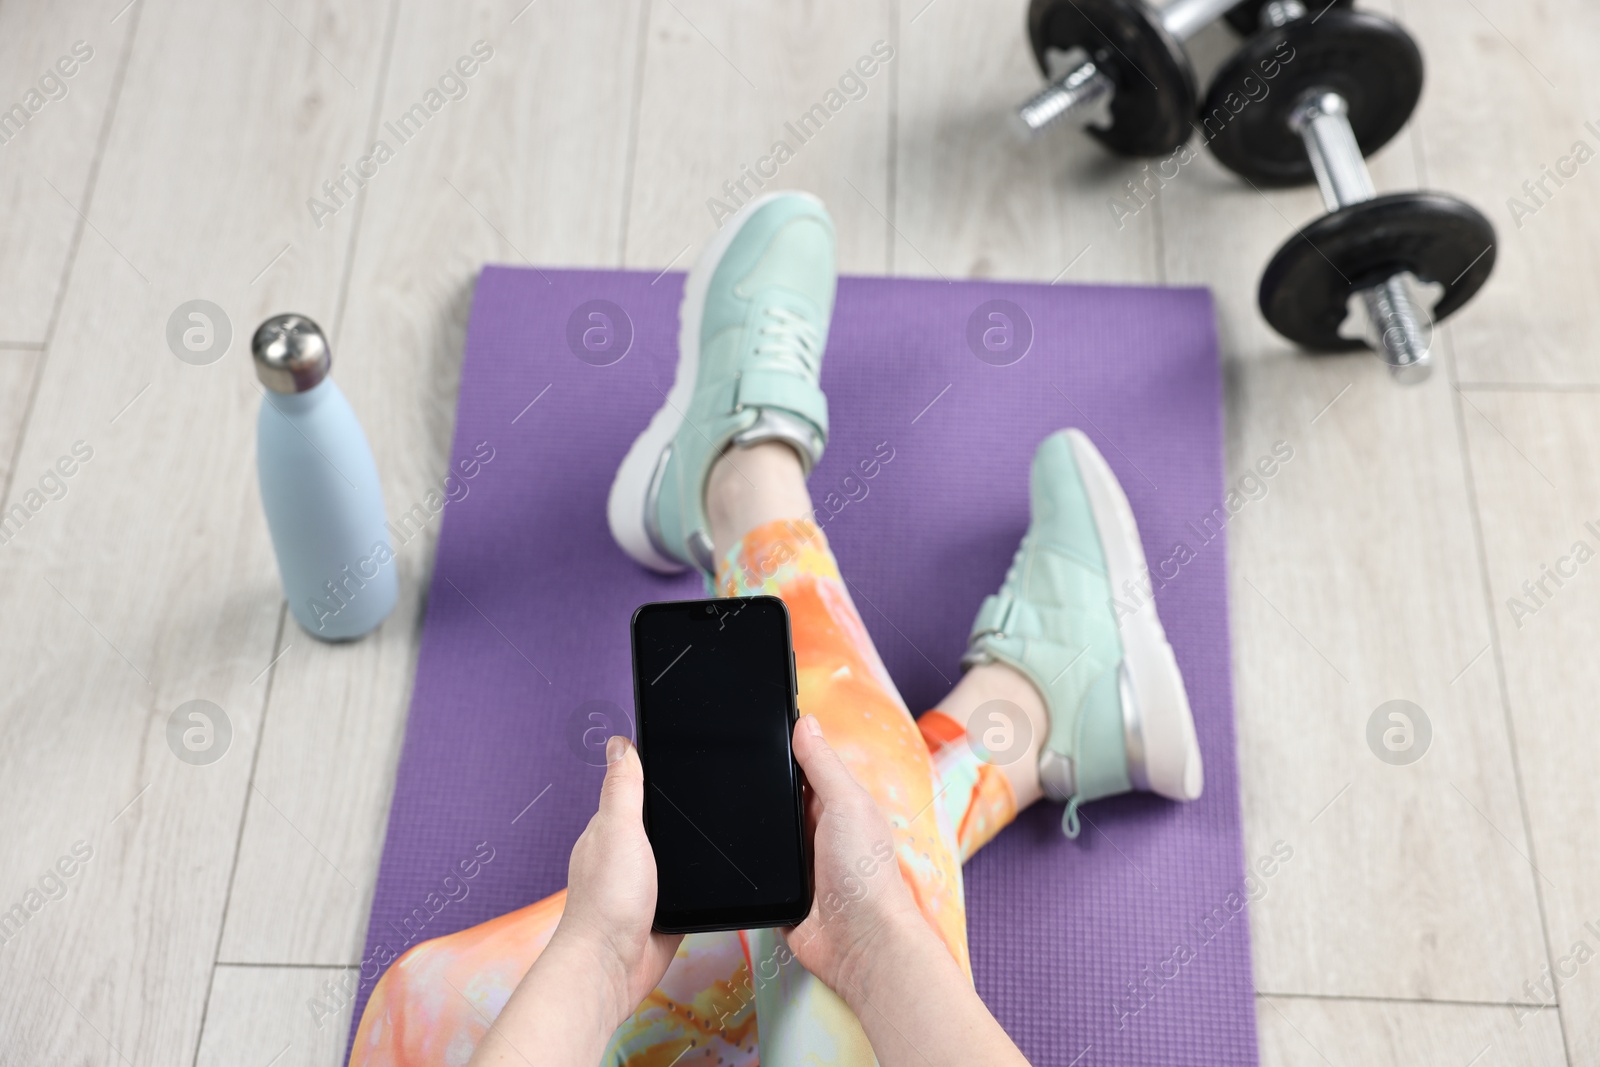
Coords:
439,998
436,1002
752,487
982,787
765,542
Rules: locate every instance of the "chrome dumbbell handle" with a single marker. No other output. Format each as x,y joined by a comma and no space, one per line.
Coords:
1081,90
1323,123
1185,18
1277,13
1397,330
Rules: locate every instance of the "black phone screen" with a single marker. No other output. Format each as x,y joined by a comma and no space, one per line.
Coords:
714,691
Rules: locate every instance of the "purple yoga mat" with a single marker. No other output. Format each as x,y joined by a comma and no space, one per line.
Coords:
1126,946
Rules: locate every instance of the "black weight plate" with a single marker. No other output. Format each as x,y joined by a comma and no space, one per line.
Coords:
1368,60
1246,16
1305,290
1156,88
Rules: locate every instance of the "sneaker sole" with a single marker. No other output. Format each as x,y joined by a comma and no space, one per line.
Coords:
1163,751
630,489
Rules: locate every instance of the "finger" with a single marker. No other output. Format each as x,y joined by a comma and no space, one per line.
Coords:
829,778
622,792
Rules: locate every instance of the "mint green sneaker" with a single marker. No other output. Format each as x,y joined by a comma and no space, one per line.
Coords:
1119,715
752,328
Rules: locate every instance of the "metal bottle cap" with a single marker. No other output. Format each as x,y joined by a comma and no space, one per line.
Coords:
291,353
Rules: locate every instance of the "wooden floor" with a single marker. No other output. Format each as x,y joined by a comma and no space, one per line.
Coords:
1425,905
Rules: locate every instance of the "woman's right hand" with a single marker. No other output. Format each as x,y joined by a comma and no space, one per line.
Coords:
867,940
863,911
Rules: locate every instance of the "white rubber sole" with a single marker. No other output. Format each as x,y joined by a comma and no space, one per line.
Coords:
1163,751
630,490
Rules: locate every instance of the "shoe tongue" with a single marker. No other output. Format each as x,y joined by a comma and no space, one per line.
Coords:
791,300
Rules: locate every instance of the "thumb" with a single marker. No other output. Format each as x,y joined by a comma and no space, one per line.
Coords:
826,773
622,792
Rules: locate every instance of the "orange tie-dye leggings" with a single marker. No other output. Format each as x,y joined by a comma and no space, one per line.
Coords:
942,801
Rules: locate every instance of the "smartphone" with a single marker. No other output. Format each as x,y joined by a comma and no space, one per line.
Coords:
714,697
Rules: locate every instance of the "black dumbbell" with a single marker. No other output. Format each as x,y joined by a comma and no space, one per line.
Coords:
1125,75
1349,87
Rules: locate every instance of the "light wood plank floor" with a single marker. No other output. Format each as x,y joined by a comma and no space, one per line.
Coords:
1426,906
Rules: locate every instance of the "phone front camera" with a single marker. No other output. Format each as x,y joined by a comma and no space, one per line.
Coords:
710,608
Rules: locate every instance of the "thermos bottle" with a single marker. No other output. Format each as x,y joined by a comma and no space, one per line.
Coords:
319,487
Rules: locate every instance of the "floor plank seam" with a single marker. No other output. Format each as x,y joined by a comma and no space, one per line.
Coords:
348,270
287,966
90,185
1486,585
238,840
1464,449
372,135
1374,999
1529,387
641,57
893,178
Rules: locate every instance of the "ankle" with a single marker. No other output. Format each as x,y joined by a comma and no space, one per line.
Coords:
749,487
1019,717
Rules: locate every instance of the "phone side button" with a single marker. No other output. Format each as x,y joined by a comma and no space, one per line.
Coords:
794,673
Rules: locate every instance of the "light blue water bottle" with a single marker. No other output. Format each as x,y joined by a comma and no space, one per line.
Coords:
319,487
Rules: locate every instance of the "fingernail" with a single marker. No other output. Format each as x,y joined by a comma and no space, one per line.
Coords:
615,747
812,726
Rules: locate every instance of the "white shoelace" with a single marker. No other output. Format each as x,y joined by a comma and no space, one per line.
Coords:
789,342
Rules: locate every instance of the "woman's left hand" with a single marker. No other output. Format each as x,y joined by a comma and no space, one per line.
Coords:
611,887
603,958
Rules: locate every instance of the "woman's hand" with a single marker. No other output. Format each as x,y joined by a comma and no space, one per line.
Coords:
863,909
603,958
611,887
868,941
